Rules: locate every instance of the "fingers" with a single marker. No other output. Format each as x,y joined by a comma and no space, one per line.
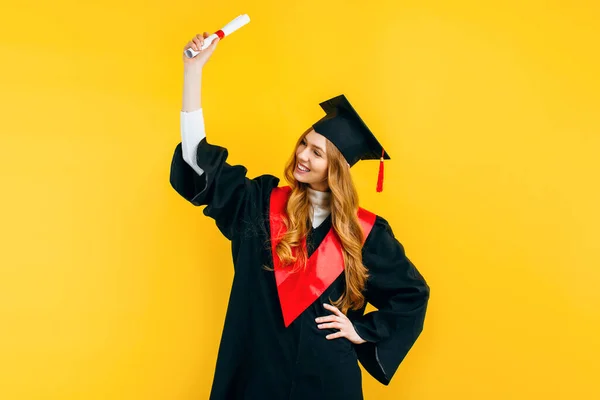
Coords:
192,45
196,43
337,320
333,310
335,335
332,325
329,318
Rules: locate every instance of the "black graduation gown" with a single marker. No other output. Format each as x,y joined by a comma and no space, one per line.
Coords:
258,357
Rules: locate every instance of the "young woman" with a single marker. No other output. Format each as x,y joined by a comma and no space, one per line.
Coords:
307,260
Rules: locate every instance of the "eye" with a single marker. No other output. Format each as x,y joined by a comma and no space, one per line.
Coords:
317,154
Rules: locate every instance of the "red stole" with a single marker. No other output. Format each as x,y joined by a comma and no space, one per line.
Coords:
297,291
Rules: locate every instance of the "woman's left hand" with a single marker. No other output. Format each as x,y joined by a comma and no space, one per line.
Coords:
338,321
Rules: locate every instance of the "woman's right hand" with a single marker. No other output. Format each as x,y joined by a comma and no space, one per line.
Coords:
202,58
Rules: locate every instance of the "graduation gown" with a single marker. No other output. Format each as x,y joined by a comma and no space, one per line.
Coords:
259,358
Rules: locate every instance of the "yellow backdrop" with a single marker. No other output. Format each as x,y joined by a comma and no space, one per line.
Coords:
113,287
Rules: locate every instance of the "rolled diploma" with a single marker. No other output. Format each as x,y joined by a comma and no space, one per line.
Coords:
227,30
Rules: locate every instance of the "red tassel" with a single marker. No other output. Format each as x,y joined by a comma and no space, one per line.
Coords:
380,177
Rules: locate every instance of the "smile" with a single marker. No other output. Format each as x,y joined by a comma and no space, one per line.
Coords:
302,168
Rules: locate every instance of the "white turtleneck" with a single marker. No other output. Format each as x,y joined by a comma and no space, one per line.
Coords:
321,207
192,133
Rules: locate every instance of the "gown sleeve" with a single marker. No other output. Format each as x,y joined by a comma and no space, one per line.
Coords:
400,294
233,200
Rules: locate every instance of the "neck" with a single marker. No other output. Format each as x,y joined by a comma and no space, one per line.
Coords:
319,187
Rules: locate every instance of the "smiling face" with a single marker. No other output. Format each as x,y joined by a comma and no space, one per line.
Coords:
311,161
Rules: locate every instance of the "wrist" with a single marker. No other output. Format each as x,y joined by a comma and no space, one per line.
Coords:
192,70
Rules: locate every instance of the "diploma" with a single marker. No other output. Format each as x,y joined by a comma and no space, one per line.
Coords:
227,30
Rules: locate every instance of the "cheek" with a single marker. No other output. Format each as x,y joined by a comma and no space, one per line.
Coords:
322,167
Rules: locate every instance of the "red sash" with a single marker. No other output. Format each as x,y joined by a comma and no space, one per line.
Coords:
297,291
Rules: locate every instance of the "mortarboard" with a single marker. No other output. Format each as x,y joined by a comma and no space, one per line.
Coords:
348,132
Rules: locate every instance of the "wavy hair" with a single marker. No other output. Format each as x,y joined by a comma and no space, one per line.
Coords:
344,207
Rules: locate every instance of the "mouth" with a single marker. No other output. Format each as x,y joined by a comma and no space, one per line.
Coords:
301,168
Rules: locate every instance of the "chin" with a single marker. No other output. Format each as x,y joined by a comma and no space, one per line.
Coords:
299,178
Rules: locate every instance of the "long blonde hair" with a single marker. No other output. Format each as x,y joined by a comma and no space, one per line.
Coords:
344,219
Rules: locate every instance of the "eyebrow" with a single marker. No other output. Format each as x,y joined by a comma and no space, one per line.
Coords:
314,145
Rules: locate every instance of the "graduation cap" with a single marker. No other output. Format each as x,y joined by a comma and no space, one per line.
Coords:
348,132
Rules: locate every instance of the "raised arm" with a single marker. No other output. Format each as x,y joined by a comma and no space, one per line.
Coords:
192,72
192,118
200,172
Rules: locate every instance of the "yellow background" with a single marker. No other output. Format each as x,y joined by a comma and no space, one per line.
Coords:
113,287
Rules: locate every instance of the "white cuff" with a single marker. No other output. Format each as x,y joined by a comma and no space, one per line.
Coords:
192,133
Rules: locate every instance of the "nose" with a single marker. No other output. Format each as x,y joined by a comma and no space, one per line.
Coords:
303,156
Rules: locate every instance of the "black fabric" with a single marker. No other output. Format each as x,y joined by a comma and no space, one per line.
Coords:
258,357
344,127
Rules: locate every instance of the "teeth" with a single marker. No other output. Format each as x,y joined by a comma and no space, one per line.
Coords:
301,168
